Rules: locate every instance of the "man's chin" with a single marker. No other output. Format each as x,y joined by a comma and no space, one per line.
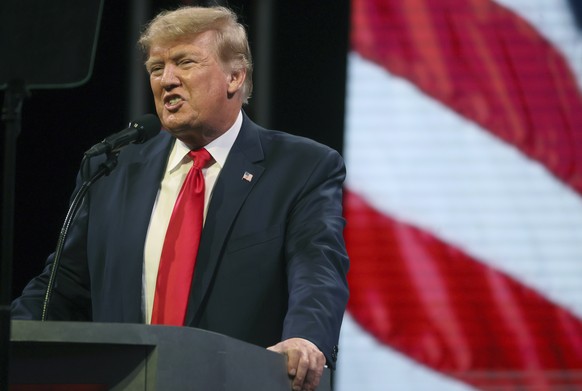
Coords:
177,131
184,134
174,124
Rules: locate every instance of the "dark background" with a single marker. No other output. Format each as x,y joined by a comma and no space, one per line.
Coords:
299,50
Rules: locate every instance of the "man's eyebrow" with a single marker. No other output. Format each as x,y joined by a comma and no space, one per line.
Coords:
174,57
153,60
184,53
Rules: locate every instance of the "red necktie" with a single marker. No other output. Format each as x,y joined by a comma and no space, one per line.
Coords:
181,247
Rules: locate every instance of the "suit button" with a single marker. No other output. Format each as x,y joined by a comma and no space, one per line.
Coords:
334,353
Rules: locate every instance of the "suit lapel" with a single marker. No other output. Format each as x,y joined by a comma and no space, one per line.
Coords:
143,177
230,191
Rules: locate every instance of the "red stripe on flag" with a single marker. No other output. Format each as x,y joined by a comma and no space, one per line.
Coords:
487,64
451,312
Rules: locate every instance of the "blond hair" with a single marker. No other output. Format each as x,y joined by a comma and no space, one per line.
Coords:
232,46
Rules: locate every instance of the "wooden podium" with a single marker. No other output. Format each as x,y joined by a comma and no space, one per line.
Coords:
106,356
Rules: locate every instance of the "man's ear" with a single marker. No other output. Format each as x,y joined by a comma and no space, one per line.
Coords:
236,80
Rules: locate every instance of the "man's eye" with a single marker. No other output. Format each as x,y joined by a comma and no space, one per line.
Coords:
155,70
186,62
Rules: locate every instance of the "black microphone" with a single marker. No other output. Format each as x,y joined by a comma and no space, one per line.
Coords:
138,131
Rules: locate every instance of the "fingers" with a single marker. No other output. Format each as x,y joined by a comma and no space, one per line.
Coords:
313,375
298,365
304,362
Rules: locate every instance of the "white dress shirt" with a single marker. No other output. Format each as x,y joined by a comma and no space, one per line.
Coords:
176,170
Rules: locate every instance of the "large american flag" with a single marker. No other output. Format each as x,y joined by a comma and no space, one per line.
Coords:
464,196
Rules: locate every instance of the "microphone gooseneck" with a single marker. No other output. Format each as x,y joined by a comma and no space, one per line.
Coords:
139,131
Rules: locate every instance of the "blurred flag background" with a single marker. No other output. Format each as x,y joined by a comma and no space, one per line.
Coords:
464,196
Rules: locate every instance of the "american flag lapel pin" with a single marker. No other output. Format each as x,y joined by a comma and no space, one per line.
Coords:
247,176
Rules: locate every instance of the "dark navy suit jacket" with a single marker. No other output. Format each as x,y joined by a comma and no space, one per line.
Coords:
272,262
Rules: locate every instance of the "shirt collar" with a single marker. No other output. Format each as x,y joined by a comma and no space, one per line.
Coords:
218,148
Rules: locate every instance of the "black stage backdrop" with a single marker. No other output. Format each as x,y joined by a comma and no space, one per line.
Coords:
300,63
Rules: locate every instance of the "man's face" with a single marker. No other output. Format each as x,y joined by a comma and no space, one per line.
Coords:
194,95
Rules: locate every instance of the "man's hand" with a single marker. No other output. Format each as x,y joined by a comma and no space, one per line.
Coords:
304,362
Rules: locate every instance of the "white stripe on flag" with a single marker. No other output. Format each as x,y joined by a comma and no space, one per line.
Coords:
418,161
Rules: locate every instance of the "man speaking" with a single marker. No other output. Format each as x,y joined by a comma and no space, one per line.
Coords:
215,223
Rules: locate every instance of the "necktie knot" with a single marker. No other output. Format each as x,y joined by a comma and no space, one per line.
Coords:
200,157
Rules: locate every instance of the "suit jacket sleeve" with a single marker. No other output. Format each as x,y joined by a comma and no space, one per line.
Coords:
317,261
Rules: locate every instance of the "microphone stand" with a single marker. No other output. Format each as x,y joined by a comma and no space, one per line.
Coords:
14,96
104,168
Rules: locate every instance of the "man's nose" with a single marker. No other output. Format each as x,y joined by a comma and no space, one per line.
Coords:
169,78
